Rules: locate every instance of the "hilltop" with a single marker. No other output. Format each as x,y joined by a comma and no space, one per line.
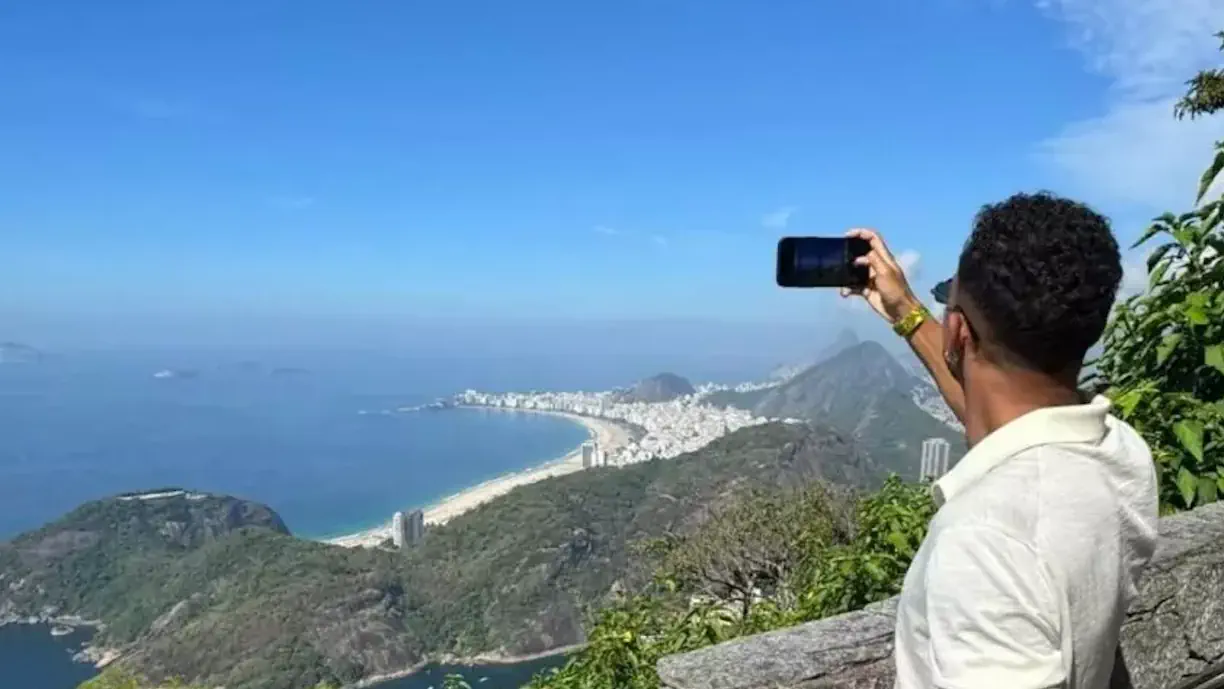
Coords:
845,339
215,590
865,393
662,387
17,353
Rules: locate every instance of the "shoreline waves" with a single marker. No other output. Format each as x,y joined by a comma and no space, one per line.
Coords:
610,435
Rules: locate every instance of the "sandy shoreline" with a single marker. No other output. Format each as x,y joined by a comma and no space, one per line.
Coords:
610,435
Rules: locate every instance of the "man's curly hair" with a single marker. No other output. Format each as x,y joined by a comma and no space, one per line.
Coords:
1043,272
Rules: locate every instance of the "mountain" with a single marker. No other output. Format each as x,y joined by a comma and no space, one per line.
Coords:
663,387
17,353
865,393
215,590
844,340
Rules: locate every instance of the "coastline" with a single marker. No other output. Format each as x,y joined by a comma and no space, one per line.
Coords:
471,661
610,435
91,654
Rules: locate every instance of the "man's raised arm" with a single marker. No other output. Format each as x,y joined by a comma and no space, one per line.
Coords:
889,294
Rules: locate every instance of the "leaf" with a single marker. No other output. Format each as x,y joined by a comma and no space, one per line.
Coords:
1210,174
1196,315
1190,435
1157,254
1160,225
1187,486
898,541
1213,356
1167,346
1127,401
1207,491
1157,274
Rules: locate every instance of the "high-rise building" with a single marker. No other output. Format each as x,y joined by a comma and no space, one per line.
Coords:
588,455
934,458
416,527
399,530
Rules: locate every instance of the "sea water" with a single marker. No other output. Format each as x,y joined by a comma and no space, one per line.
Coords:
30,658
323,446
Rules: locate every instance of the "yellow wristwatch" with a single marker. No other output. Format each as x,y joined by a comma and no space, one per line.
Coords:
915,318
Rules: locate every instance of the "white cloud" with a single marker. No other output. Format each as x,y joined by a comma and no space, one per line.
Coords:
779,219
604,229
1137,153
911,263
659,239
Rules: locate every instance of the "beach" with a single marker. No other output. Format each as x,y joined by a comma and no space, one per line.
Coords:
609,434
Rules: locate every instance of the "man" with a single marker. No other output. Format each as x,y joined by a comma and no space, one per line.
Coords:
1030,563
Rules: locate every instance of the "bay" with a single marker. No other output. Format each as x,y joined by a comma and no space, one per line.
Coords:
319,443
30,658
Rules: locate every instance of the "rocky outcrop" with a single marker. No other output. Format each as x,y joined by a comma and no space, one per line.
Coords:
1173,637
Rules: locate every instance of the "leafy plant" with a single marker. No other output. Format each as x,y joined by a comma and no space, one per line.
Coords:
455,681
829,571
116,678
1163,360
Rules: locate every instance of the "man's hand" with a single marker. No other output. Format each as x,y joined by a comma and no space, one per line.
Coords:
887,291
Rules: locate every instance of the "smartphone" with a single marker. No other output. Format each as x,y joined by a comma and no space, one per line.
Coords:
821,262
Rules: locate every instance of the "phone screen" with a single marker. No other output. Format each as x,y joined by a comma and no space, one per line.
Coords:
821,262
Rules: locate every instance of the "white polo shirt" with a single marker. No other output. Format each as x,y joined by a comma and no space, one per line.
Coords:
1032,560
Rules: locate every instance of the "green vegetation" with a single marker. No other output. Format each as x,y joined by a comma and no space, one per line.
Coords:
1163,362
817,561
519,574
120,679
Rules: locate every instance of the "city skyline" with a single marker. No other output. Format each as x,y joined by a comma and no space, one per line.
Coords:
240,164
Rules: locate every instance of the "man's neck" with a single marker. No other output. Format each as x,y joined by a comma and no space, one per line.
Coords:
1004,396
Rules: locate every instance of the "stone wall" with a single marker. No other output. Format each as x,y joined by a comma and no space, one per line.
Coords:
1173,637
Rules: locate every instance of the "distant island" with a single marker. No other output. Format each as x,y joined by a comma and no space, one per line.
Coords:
17,353
662,387
176,374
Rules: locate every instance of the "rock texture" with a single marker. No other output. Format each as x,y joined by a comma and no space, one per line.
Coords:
1173,637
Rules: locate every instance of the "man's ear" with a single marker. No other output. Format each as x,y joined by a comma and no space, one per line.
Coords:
953,331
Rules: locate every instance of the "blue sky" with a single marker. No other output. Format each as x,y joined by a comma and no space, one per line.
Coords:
540,160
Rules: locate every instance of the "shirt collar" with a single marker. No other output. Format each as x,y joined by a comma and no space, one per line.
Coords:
1073,423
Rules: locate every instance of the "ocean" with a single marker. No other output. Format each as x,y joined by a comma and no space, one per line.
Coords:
313,442
30,658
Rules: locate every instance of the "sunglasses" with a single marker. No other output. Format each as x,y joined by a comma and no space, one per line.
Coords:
941,292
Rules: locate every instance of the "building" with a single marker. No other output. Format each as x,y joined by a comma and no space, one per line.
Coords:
416,527
399,530
588,454
934,458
